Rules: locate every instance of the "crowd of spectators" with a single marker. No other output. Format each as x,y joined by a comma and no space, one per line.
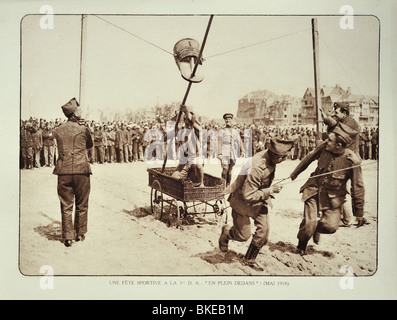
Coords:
125,141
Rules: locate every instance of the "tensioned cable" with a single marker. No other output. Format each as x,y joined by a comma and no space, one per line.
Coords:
140,38
258,43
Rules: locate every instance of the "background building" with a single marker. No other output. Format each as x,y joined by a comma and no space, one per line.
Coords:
267,108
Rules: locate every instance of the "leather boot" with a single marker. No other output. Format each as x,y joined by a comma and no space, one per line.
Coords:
250,256
302,247
224,238
316,237
68,243
80,238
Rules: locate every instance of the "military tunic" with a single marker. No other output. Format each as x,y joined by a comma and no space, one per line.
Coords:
230,146
73,170
249,198
326,192
332,122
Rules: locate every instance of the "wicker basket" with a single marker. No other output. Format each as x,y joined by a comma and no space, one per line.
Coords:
183,190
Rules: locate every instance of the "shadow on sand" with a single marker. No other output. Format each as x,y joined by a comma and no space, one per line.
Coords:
216,256
289,247
170,217
52,231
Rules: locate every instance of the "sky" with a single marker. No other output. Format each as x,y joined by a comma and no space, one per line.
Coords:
128,64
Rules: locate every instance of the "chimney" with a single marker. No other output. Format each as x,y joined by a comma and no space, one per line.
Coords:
349,89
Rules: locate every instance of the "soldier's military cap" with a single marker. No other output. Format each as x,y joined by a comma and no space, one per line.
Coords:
70,107
280,147
342,105
228,116
346,133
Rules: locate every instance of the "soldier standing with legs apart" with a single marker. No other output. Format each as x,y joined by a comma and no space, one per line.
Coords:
230,146
48,145
249,198
326,193
73,170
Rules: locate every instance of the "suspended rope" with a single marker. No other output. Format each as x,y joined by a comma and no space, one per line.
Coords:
134,35
258,43
215,55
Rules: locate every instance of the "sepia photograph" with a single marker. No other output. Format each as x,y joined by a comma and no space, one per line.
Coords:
198,152
111,175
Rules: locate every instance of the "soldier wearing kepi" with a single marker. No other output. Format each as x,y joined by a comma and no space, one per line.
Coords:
230,147
73,170
250,197
341,114
326,193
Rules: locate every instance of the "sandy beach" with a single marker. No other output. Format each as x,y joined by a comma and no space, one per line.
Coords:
124,238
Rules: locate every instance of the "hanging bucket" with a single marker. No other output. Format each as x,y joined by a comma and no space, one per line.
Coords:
186,53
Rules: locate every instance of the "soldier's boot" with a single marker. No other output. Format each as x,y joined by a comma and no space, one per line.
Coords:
302,248
224,238
80,238
316,237
68,243
250,256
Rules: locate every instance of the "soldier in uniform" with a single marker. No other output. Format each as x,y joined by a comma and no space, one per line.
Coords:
127,142
23,144
73,170
230,147
27,145
374,142
304,144
111,137
341,114
326,192
249,198
135,140
48,145
98,144
37,143
119,142
190,165
139,141
105,143
129,135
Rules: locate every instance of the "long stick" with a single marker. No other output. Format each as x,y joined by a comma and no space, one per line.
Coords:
190,83
195,68
324,174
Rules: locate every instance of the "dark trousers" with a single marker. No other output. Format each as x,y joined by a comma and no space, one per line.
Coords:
227,168
374,152
73,190
241,229
328,223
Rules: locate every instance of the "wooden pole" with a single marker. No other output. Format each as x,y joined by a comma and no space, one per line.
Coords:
190,83
82,56
316,75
